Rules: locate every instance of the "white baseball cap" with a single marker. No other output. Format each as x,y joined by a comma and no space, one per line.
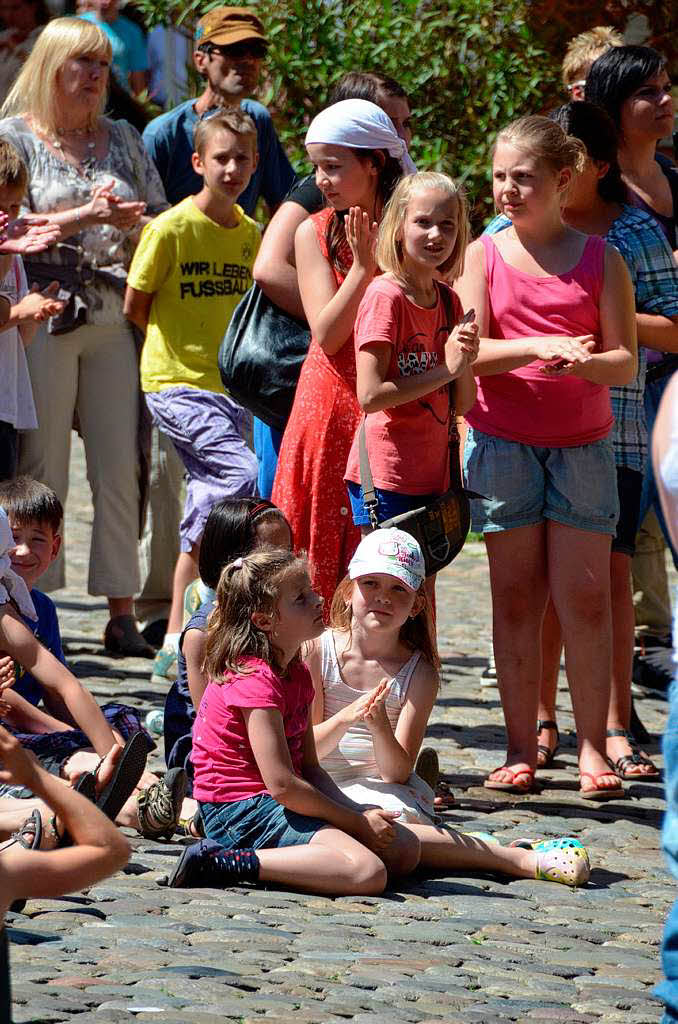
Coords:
392,552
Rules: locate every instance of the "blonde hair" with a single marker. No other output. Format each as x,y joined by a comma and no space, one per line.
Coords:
247,585
13,171
417,634
545,139
389,245
235,121
585,48
34,92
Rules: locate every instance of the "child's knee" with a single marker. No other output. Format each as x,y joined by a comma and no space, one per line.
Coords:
369,874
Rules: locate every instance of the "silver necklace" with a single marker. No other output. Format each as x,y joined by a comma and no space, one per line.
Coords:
86,163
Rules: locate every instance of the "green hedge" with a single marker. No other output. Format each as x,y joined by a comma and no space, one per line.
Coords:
469,67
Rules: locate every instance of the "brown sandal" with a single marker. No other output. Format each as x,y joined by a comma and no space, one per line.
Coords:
547,753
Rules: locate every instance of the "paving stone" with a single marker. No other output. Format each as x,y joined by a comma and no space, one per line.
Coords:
461,949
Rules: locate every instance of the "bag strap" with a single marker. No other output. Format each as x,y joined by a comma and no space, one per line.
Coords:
366,481
453,439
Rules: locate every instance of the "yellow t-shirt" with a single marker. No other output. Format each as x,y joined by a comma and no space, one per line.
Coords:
197,271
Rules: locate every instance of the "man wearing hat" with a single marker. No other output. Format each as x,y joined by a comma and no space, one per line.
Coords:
230,46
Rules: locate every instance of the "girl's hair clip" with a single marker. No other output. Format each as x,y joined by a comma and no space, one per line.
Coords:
237,564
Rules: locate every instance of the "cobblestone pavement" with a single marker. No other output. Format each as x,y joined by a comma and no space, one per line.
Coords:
455,949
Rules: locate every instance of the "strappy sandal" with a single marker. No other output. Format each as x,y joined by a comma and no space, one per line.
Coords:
32,827
444,797
598,792
511,786
622,764
547,753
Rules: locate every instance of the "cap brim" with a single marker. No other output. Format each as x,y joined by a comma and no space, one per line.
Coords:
235,36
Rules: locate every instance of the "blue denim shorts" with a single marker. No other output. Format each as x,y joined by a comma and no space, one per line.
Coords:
258,823
390,503
524,484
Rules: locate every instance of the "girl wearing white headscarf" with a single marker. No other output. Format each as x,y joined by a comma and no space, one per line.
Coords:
358,158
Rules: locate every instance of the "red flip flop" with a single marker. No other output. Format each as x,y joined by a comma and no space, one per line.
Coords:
512,786
600,792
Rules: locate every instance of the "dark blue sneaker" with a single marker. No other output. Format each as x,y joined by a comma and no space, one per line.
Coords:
208,863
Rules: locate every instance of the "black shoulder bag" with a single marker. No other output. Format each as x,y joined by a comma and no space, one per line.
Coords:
261,355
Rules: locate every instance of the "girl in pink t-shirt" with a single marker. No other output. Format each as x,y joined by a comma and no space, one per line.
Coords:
257,777
410,346
271,813
557,322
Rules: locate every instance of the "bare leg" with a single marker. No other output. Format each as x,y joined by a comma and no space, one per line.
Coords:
551,645
579,569
332,862
185,571
449,850
623,624
518,576
120,606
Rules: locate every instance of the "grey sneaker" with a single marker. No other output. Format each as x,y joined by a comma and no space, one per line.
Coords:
159,806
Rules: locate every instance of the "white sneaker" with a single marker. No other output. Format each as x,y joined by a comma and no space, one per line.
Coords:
488,677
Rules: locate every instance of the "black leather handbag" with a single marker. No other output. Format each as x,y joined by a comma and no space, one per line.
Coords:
261,355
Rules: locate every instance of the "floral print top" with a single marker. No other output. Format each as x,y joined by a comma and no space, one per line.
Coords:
54,185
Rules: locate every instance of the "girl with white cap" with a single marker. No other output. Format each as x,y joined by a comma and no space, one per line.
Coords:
358,158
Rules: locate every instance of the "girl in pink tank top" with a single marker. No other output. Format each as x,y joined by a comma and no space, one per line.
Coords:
556,315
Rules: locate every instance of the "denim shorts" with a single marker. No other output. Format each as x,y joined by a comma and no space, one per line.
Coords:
390,503
258,823
524,484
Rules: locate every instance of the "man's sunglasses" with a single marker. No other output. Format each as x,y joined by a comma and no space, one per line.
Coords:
237,51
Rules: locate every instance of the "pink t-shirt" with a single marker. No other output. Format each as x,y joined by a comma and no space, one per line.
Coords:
225,768
525,405
408,445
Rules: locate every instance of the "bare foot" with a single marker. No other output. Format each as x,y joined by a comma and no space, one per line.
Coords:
107,769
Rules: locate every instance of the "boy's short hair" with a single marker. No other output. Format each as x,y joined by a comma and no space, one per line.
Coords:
27,501
13,171
584,49
235,121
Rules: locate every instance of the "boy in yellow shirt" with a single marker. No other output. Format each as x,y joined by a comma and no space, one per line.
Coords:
191,268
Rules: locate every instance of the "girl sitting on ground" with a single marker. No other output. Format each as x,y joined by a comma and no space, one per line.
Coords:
375,673
270,811
234,527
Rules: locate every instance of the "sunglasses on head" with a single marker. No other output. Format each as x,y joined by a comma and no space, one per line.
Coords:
235,51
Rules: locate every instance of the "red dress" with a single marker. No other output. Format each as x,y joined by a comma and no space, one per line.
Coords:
309,485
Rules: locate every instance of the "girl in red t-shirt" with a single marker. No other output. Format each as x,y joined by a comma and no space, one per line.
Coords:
410,345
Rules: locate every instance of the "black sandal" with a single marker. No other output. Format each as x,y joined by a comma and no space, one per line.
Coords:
548,753
126,775
622,764
31,827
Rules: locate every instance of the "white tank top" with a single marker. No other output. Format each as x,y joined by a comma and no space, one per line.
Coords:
353,757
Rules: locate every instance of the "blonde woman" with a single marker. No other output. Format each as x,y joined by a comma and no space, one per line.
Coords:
90,176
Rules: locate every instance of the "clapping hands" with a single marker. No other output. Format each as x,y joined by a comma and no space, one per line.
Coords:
27,235
361,234
369,707
105,207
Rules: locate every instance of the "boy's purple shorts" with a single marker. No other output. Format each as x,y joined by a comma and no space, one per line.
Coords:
207,431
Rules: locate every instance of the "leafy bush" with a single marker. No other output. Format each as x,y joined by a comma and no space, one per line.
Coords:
469,67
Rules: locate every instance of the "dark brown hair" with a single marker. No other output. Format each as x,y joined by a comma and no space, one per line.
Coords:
390,172
28,501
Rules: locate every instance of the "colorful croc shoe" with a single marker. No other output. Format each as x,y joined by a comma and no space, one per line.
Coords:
562,860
